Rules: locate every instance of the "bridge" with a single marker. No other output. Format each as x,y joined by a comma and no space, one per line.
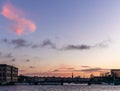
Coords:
60,81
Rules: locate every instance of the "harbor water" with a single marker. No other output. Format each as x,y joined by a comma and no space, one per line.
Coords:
60,88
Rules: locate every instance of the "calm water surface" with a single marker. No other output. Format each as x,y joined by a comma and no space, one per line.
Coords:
61,88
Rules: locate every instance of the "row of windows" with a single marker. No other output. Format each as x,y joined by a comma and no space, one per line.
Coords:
8,72
2,74
8,69
14,74
8,75
5,74
3,69
2,79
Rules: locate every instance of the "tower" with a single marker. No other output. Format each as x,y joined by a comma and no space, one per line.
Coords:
72,75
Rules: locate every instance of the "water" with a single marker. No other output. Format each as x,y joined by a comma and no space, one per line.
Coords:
61,88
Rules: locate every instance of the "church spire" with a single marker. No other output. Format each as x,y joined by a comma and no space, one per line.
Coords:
72,75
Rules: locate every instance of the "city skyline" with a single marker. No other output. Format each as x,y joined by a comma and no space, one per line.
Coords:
58,38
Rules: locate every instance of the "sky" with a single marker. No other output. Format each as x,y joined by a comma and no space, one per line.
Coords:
60,37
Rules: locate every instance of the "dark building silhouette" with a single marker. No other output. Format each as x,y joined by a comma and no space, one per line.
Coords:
8,74
72,75
115,72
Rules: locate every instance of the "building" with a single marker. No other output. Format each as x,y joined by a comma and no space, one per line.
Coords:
8,74
115,72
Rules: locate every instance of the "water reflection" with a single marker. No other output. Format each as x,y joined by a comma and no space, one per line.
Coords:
61,88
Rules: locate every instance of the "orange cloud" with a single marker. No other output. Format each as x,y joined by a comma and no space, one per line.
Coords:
20,24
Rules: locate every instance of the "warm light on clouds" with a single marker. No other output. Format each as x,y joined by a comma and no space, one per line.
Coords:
66,71
20,24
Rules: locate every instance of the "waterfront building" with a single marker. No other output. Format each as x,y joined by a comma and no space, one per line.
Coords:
115,72
8,74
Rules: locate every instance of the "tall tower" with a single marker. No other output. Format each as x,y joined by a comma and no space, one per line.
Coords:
72,75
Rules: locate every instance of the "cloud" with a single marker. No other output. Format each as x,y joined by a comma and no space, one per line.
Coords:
5,40
13,60
102,44
9,55
64,69
27,60
48,43
20,24
19,43
67,71
32,67
94,70
0,53
22,70
85,69
44,43
56,70
6,55
85,66
35,46
76,47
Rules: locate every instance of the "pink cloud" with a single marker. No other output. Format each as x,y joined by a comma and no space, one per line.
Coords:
20,24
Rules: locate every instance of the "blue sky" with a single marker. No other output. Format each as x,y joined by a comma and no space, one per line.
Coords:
68,33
